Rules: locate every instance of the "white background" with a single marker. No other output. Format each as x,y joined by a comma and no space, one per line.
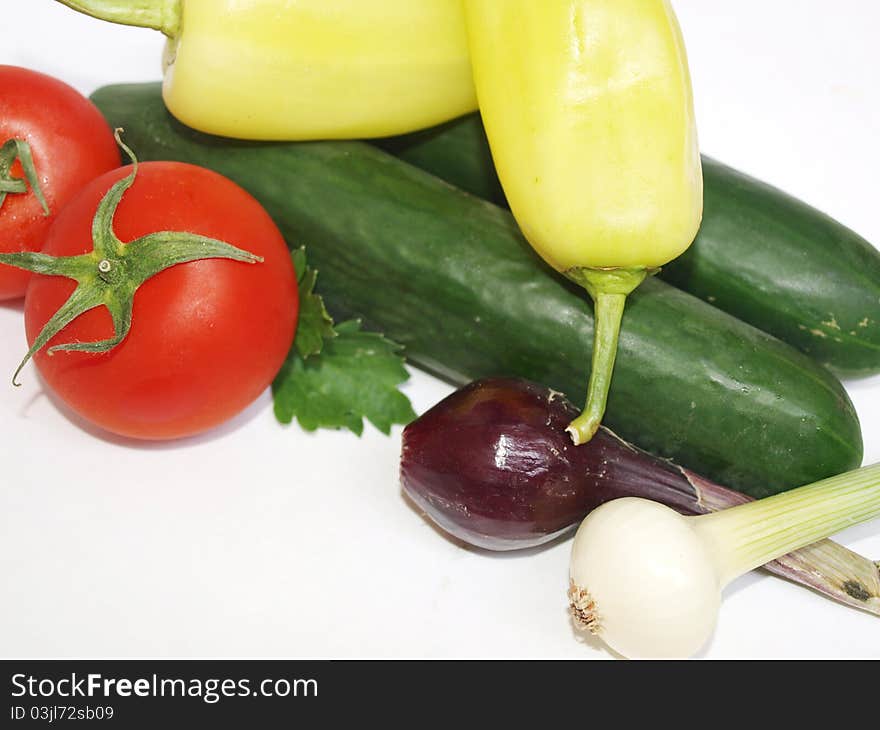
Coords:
259,540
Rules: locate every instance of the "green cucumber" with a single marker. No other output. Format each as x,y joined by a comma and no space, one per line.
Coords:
761,255
450,277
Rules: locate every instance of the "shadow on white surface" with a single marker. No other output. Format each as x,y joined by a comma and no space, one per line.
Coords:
240,421
13,305
868,383
495,554
744,582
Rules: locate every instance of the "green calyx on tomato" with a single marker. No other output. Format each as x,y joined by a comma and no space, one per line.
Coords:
112,272
18,149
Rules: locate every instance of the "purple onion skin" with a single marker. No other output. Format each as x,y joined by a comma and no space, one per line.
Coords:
493,465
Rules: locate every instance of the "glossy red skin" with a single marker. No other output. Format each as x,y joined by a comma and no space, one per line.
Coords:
71,144
207,337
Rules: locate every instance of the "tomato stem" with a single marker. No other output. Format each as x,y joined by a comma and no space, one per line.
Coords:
18,149
111,273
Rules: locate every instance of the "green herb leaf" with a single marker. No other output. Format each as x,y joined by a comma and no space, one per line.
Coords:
314,325
355,376
334,377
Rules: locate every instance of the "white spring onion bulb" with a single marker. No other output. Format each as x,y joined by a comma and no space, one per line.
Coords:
648,581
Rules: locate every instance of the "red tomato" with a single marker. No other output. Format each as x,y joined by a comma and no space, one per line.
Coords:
207,337
71,144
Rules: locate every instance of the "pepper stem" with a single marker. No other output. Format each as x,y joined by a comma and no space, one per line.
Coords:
609,289
162,15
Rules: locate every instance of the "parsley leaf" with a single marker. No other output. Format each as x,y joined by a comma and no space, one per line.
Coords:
314,325
337,376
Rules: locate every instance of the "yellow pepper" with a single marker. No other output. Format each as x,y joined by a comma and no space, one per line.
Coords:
589,112
306,69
